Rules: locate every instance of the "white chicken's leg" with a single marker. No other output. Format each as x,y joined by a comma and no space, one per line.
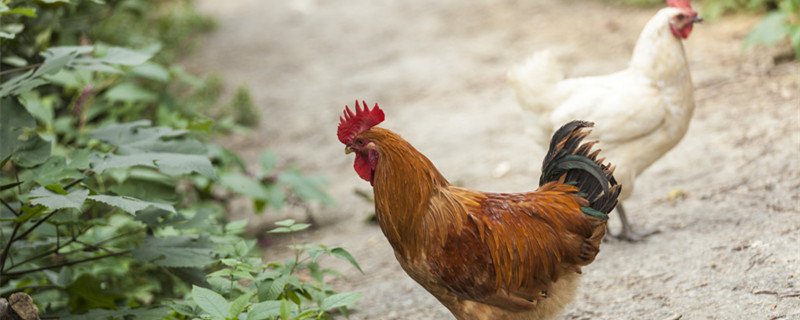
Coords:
627,233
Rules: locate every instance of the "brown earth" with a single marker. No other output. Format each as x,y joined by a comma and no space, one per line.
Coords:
730,241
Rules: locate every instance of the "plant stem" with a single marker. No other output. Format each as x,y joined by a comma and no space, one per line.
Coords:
4,255
10,208
20,69
69,263
38,223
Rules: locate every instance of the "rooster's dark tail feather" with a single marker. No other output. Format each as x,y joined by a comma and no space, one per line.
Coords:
576,164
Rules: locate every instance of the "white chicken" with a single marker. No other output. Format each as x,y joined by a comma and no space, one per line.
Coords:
640,112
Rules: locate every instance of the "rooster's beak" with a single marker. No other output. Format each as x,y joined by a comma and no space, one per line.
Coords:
697,18
348,150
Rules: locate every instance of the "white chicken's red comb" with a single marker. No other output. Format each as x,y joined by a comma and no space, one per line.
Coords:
683,4
351,124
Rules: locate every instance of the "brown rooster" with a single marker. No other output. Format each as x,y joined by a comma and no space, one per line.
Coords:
487,255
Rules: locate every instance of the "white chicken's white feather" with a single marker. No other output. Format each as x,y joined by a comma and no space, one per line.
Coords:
640,113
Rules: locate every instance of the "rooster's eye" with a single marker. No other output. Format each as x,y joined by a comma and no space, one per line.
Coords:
681,16
360,142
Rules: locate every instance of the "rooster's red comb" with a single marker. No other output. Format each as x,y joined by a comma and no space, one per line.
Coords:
352,124
683,4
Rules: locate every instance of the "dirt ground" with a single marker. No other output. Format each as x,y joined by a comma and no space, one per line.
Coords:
729,248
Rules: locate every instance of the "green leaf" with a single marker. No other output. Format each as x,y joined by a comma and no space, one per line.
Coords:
9,185
32,152
124,56
138,137
52,200
169,163
56,58
86,292
64,277
236,227
341,253
271,290
340,300
35,106
80,159
265,310
773,27
129,204
151,70
53,171
23,11
244,185
129,92
179,252
211,302
307,188
285,223
275,196
240,304
286,309
268,160
13,122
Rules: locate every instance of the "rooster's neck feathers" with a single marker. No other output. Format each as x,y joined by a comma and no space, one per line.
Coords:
404,182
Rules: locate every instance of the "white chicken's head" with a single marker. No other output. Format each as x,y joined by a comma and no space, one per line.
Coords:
682,21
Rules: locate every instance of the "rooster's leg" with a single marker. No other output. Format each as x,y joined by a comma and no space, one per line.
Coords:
627,233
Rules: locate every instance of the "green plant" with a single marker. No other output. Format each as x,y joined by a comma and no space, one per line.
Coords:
782,23
112,200
248,289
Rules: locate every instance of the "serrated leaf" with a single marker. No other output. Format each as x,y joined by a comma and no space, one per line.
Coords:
271,290
265,310
341,253
129,204
52,200
169,163
53,171
179,252
80,159
340,300
240,304
286,309
211,302
32,152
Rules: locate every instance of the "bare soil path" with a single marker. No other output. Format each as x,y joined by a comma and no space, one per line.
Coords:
729,247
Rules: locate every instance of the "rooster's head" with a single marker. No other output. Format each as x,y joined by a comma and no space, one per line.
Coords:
352,124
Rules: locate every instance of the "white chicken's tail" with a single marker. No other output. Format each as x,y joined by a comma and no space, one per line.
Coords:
534,83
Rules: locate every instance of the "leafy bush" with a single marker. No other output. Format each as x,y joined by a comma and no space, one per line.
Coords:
112,200
777,25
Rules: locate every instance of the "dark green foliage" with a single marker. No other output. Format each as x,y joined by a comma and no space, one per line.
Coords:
112,198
